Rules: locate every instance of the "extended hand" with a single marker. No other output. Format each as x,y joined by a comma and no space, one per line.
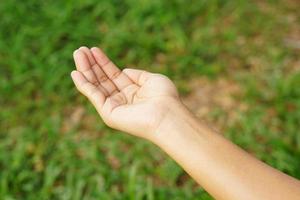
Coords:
134,101
147,105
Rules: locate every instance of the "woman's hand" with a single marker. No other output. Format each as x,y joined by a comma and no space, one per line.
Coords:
131,100
147,105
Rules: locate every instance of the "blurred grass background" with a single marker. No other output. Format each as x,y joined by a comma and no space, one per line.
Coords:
53,145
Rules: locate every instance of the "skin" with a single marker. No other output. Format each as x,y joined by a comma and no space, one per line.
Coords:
147,105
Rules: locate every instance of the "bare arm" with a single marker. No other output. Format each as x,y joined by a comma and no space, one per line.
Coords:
222,168
147,105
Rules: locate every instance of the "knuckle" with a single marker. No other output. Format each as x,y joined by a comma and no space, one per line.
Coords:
104,91
115,74
103,78
96,83
105,60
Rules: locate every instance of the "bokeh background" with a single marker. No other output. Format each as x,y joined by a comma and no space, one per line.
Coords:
236,64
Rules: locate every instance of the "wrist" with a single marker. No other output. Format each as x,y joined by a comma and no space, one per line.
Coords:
178,123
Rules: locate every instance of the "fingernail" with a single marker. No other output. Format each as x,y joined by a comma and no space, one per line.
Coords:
75,52
73,73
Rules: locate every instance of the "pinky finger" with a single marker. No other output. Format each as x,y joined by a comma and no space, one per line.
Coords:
93,93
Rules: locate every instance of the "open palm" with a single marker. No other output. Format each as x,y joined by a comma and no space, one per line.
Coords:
131,100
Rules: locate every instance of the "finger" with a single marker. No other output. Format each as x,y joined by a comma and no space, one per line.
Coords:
110,69
93,93
139,77
101,77
104,81
89,55
83,65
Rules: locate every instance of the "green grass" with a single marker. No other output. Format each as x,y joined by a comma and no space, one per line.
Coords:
46,153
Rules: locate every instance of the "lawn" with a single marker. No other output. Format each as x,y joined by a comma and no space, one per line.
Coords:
53,145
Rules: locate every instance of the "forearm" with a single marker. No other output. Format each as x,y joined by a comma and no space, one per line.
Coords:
222,168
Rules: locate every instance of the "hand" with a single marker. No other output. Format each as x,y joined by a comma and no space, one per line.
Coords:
134,101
